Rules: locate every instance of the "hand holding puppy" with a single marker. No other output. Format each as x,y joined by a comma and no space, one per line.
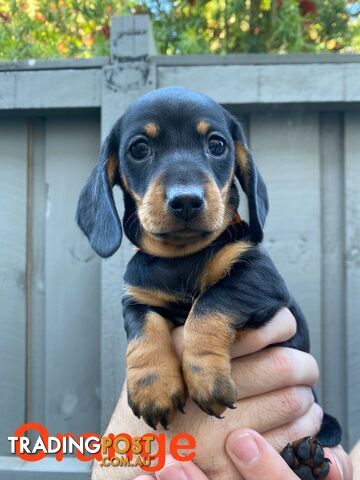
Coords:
275,399
255,459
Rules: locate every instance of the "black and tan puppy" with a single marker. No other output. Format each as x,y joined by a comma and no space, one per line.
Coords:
176,154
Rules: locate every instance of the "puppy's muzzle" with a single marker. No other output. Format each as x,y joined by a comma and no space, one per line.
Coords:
185,202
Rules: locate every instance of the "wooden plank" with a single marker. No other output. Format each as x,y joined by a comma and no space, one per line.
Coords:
36,308
334,384
54,64
286,148
247,84
119,88
50,89
352,235
254,59
13,164
72,271
12,468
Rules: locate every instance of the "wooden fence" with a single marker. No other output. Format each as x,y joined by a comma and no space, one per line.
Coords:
62,340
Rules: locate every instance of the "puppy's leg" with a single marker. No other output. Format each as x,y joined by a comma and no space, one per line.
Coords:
154,380
206,361
247,296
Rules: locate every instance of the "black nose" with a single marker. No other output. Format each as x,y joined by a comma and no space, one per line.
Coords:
186,203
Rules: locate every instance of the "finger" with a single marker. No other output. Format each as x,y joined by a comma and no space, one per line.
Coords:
341,465
174,470
255,458
272,410
272,369
280,329
307,425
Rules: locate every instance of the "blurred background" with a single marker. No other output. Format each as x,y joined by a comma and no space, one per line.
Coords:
81,28
288,69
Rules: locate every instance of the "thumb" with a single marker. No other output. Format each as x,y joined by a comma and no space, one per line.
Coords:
255,458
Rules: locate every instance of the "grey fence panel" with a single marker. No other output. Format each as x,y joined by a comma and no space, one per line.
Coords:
333,288
277,83
286,148
72,270
352,252
50,89
50,286
13,269
37,285
13,468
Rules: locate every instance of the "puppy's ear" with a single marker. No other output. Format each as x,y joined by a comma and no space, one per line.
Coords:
250,180
96,213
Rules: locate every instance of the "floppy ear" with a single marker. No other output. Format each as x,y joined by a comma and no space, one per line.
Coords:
96,213
251,182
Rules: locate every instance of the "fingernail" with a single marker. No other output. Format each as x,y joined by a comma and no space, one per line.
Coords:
245,448
172,471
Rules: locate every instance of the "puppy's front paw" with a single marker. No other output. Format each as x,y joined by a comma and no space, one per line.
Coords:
209,383
155,386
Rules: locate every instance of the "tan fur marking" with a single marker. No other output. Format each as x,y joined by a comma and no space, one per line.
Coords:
155,218
202,127
166,249
152,210
155,298
152,356
111,167
134,195
221,263
152,129
242,160
206,357
215,204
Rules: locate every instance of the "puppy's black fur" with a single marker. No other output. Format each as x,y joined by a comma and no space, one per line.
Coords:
176,155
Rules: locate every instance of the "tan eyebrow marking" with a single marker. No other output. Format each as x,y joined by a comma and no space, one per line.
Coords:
152,129
202,127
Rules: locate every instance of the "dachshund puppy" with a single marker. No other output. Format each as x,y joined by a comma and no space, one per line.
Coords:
176,154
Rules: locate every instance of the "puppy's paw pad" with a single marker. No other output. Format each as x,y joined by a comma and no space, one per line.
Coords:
306,458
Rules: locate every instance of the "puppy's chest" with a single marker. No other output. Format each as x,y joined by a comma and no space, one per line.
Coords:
169,285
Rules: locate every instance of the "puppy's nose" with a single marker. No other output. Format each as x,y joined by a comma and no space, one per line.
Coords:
186,203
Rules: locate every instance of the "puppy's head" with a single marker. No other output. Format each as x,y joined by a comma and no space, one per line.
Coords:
175,154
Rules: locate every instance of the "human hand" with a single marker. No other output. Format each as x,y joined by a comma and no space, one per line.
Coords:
274,398
254,459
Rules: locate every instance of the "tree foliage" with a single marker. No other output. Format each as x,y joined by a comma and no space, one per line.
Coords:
80,28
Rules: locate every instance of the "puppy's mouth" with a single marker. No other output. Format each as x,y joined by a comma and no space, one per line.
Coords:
182,237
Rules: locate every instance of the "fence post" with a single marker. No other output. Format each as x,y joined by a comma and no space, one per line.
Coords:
129,75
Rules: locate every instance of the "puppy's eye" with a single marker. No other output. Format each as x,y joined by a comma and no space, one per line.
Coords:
216,145
139,149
